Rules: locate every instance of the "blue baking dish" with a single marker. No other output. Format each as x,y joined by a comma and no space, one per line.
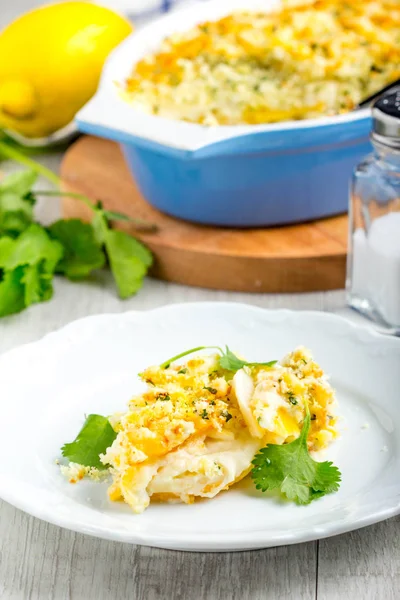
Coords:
243,176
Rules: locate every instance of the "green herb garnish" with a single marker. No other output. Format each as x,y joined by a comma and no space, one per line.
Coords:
82,252
166,363
211,390
227,361
31,254
230,362
93,439
27,266
292,398
227,415
204,414
290,469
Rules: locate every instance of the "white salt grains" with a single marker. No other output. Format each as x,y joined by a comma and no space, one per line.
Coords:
376,266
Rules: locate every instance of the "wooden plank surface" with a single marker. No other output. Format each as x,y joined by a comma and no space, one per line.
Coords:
296,258
39,561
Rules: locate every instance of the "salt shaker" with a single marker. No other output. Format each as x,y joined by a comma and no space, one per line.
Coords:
373,263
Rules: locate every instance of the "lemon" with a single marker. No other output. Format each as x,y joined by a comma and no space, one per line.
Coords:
51,63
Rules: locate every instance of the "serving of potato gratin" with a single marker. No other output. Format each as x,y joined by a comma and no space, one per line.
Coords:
201,423
301,61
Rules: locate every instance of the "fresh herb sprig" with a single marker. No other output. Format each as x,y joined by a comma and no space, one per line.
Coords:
228,361
31,254
93,439
290,469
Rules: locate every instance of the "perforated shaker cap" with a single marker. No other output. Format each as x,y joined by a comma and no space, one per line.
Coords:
386,119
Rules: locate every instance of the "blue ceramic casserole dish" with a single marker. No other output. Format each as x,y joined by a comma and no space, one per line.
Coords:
242,176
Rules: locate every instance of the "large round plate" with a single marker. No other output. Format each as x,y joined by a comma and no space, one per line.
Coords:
91,366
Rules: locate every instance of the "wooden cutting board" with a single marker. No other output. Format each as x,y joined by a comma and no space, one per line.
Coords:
297,258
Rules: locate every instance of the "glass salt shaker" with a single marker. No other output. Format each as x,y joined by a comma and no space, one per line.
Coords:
373,262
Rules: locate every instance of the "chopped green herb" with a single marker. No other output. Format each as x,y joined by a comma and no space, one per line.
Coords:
204,414
212,403
163,396
211,390
182,372
292,398
227,415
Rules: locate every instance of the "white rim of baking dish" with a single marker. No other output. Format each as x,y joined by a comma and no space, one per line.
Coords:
110,115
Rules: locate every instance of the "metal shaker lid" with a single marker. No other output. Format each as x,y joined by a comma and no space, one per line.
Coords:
386,119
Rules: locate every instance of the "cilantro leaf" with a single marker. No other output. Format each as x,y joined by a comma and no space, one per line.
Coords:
33,245
93,439
290,469
166,363
113,215
12,292
129,259
16,214
37,282
27,264
19,183
82,252
16,202
128,271
230,362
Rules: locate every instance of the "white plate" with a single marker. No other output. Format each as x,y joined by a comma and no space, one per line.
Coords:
91,366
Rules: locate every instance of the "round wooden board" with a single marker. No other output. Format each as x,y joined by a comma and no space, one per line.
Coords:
297,258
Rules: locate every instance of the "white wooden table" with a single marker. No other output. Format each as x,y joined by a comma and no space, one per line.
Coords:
41,561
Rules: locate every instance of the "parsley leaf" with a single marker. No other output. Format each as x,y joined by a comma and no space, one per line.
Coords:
82,252
93,439
230,362
290,469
